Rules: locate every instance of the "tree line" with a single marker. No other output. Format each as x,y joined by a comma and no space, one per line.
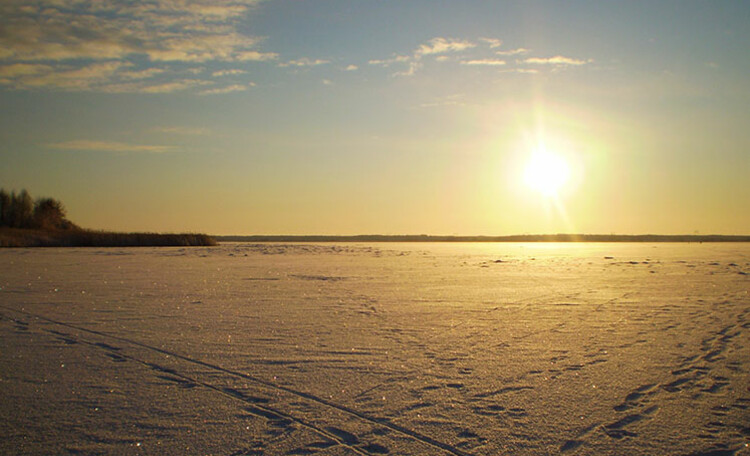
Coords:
20,210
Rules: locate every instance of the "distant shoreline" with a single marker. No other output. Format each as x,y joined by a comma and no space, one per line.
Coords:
15,237
12,237
41,222
514,238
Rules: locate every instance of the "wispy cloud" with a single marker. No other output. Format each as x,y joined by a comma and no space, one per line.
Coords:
61,77
162,30
443,45
109,77
484,62
108,146
556,60
390,61
142,74
492,42
436,47
255,56
221,73
486,52
154,87
227,89
18,70
304,62
517,51
103,44
351,68
411,70
231,72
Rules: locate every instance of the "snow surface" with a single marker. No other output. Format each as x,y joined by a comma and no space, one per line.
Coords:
369,349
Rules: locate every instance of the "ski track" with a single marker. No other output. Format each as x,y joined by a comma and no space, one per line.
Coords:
707,367
281,418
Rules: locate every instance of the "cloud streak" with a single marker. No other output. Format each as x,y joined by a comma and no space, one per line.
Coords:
161,30
231,72
226,89
304,62
195,46
556,60
108,146
60,77
436,47
492,42
517,51
467,53
442,46
116,46
484,62
390,61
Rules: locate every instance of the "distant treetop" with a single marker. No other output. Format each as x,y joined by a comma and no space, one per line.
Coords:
19,210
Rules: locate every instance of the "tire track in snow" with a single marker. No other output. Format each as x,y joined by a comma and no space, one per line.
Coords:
409,433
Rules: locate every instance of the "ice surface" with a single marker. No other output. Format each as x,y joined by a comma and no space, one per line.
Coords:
401,349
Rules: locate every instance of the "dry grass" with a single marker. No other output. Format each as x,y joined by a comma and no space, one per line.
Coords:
13,237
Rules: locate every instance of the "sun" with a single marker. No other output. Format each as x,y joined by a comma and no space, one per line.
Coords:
546,173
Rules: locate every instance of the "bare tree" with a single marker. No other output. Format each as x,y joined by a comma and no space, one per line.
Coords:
49,213
4,207
18,210
22,210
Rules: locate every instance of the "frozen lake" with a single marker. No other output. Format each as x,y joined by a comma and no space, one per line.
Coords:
369,349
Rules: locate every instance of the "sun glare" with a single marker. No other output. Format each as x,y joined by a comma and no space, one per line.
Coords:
546,173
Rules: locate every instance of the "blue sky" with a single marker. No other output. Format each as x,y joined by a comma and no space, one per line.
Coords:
344,117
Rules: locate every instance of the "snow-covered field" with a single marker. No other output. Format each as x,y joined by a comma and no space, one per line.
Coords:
401,349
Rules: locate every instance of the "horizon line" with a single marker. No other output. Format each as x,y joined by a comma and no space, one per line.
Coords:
558,237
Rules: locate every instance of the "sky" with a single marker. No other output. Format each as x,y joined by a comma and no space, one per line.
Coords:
380,117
